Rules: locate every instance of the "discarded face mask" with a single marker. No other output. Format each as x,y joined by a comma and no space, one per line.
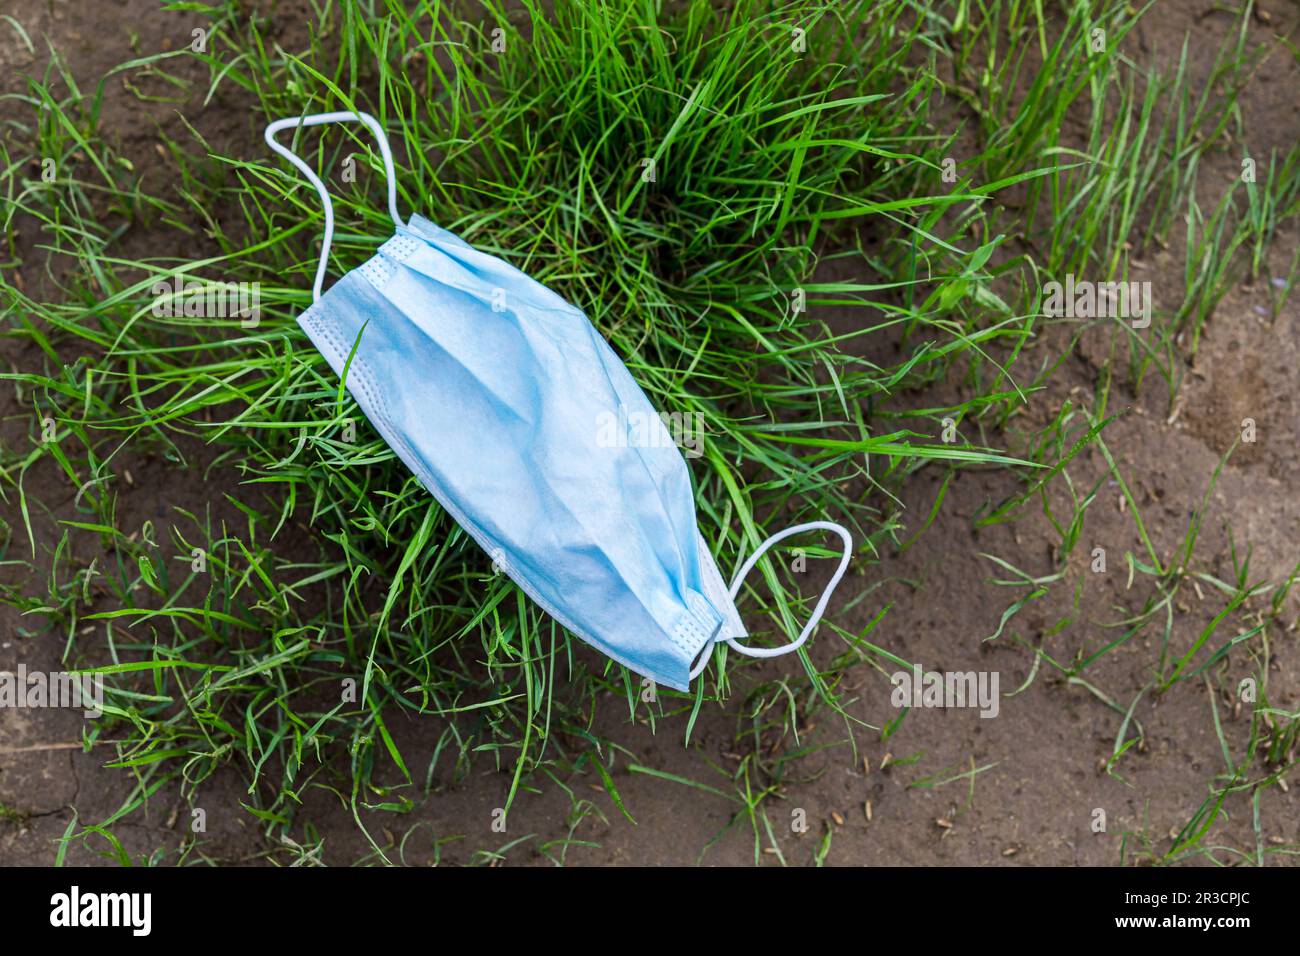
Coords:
491,388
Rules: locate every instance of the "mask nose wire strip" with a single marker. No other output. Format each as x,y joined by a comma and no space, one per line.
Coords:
319,119
818,611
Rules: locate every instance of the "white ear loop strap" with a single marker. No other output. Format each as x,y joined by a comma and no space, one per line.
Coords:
818,611
318,119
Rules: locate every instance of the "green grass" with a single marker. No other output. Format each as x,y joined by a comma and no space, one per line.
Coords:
774,166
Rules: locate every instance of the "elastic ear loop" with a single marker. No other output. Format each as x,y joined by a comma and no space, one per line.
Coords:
818,611
319,119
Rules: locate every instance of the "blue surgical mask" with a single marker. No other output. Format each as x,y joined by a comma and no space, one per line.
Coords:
513,412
